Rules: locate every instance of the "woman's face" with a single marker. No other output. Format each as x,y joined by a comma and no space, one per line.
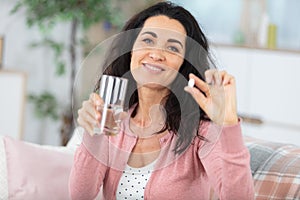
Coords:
158,52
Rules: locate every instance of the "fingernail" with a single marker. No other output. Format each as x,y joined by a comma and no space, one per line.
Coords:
187,88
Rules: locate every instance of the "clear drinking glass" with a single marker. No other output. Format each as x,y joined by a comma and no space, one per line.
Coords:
112,91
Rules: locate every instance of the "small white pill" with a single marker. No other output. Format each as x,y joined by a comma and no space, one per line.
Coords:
191,83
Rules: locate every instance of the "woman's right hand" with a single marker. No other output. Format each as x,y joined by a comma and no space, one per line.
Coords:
88,115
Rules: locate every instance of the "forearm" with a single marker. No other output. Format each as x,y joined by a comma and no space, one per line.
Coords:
86,176
228,166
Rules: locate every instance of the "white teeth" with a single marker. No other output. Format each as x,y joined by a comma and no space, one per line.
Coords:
154,68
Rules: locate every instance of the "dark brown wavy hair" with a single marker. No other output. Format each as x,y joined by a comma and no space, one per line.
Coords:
183,113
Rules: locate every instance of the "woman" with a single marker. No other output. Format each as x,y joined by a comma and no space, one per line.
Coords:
177,142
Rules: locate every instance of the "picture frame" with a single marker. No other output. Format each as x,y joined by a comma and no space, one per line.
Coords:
12,103
1,50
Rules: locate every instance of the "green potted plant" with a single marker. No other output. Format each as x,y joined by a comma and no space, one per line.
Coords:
81,14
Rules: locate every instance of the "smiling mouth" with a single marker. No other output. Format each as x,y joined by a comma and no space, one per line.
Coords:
153,68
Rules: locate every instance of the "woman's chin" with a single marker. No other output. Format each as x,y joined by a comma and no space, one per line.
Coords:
152,85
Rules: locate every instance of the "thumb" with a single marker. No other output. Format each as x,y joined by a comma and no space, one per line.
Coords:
197,95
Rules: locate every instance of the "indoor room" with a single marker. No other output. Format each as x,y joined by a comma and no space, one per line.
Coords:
55,54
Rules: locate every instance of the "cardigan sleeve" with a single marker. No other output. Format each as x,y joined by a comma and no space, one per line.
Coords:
227,162
86,176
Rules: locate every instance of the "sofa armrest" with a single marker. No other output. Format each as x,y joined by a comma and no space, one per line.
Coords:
275,169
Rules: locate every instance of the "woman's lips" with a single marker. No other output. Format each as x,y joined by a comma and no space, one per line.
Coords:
155,69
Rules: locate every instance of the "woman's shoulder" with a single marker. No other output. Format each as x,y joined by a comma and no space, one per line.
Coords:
203,128
207,132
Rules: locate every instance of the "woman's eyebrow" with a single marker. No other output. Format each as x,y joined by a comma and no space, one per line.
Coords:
151,33
176,41
169,40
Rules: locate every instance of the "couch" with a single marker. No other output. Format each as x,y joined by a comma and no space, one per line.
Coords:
31,171
275,169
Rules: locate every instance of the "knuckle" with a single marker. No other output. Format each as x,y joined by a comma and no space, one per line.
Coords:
79,120
85,103
91,96
207,72
80,112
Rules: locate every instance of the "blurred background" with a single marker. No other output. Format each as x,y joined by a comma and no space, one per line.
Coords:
44,43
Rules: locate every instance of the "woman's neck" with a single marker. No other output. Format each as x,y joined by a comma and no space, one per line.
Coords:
150,108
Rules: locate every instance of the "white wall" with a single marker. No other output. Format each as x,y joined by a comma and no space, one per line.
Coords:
268,88
38,64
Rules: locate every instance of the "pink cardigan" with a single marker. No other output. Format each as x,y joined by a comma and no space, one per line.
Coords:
222,165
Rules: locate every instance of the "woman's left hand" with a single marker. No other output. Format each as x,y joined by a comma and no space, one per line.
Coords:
216,96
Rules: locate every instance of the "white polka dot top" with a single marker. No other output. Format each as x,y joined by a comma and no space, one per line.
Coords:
133,182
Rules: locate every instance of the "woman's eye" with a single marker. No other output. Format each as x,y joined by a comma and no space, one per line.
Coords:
173,49
148,41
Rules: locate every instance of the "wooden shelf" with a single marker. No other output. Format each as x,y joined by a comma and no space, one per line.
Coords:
294,51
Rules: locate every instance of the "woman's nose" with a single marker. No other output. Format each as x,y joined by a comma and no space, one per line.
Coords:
157,55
